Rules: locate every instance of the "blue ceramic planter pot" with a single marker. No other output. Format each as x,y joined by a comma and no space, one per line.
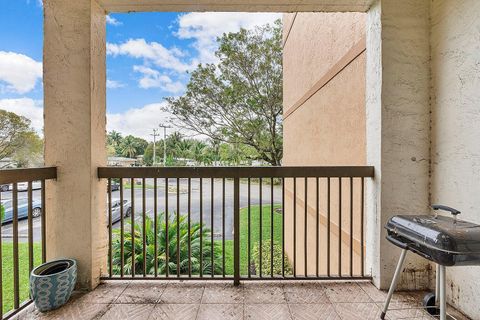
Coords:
52,283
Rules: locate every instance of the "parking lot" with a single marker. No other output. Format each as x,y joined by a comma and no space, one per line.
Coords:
7,230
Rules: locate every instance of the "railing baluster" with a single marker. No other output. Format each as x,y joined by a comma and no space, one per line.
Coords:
30,227
260,236
189,218
328,226
271,227
167,219
249,231
317,225
132,227
122,258
178,227
283,227
236,232
212,266
223,227
1,264
361,225
44,224
144,229
110,258
155,227
305,228
16,284
201,227
339,227
351,227
295,227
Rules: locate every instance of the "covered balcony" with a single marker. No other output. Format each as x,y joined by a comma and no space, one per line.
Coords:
290,242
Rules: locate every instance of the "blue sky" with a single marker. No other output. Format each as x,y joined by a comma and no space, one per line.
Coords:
149,56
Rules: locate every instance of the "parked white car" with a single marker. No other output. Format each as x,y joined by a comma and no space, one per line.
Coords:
21,186
116,204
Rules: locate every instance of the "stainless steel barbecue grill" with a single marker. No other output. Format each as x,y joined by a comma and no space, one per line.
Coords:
446,241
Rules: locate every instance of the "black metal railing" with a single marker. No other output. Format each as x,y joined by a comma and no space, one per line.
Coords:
22,233
237,223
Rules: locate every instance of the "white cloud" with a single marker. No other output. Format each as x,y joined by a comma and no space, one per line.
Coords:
138,121
18,72
153,79
204,28
29,108
112,21
112,84
153,52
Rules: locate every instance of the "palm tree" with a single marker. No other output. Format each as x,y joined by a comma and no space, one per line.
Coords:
215,143
114,138
172,141
198,151
208,155
129,147
162,236
182,148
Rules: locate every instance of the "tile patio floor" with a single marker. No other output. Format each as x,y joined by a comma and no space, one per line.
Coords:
221,300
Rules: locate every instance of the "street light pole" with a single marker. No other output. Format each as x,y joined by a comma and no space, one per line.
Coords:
155,134
164,143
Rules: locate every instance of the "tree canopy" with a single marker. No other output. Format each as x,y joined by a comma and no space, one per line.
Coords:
129,146
238,100
19,141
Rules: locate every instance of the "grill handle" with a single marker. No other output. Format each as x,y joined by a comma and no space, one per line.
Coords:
397,242
453,211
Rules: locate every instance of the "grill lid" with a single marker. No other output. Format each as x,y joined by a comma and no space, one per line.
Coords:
438,233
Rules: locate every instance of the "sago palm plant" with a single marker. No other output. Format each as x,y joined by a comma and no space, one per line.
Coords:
162,237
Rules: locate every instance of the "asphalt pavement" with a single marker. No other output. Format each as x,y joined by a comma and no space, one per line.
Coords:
207,204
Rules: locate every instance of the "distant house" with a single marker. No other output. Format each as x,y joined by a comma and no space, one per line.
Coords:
122,162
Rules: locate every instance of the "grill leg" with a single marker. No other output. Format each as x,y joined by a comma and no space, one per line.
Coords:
437,284
443,298
396,276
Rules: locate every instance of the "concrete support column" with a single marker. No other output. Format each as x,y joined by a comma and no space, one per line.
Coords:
74,84
398,130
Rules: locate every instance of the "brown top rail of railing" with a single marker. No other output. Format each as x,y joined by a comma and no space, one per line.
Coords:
235,172
27,174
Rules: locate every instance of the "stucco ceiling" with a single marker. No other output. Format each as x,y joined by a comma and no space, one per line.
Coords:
236,5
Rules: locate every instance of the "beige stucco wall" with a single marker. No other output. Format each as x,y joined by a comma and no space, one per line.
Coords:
398,137
328,129
455,45
75,118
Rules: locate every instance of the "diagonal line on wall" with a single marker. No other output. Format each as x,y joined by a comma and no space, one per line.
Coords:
289,30
342,63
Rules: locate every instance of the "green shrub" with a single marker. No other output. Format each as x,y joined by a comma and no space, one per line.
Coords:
161,245
266,258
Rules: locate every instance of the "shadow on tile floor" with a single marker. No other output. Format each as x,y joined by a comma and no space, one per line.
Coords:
191,300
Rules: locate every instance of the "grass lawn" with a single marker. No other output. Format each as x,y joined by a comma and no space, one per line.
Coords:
254,236
7,274
255,242
128,186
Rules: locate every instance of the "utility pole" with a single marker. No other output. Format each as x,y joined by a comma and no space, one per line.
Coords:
164,143
155,135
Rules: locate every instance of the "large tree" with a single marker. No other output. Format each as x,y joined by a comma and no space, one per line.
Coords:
239,99
30,153
14,131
